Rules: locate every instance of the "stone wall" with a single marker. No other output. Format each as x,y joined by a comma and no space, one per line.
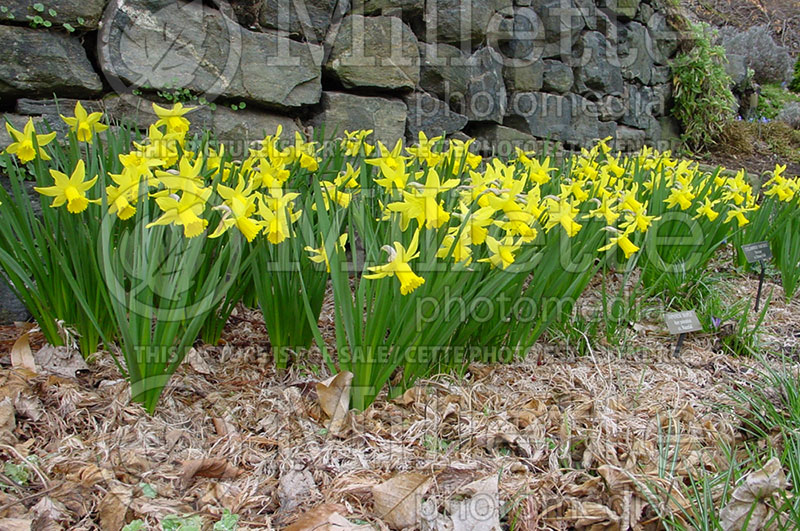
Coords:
507,72
504,71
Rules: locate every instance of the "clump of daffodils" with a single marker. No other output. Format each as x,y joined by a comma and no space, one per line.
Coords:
483,211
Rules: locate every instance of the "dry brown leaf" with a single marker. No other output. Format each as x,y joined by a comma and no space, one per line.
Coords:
398,500
747,504
159,507
21,355
8,417
334,399
479,509
294,488
616,478
60,361
480,371
316,518
223,426
590,513
29,407
412,395
11,509
208,468
522,418
46,507
77,500
15,524
91,474
48,514
326,517
14,383
591,487
114,507
172,437
532,412
337,522
197,362
499,432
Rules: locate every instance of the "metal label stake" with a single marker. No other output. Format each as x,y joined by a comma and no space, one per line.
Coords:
758,252
678,345
760,282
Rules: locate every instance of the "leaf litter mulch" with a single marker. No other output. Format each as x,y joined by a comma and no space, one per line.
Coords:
602,442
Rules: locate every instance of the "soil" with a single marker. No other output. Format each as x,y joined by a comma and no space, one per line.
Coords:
781,16
756,164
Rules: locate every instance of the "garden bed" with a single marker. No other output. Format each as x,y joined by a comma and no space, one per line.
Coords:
572,441
390,281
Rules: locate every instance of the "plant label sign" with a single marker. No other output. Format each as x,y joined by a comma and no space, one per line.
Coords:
680,323
757,252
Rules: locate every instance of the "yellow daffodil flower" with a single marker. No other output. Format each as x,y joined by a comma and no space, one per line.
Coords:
392,166
778,186
707,210
238,207
477,222
173,118
502,252
738,213
271,174
121,198
575,189
460,154
188,174
622,241
320,255
638,219
84,125
140,164
680,196
330,190
422,204
398,265
71,190
627,199
604,211
349,177
23,144
460,248
538,172
425,151
184,210
304,152
475,190
613,166
519,224
355,141
214,160
275,209
160,146
737,188
561,212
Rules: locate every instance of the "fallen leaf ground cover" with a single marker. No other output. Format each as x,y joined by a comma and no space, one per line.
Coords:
604,438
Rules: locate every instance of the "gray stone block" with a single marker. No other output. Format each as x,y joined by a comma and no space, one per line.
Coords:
376,52
341,112
36,62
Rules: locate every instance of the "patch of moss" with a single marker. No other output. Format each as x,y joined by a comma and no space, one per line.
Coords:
772,99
